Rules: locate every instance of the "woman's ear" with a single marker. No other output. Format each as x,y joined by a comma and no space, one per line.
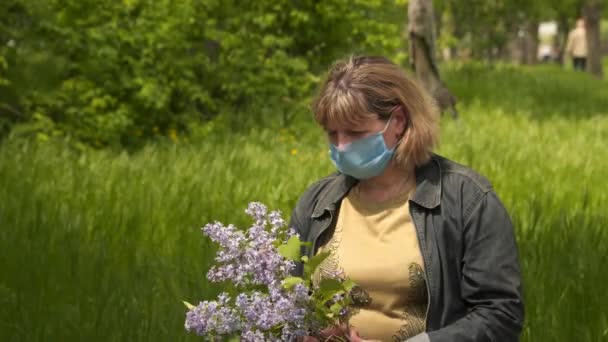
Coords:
401,120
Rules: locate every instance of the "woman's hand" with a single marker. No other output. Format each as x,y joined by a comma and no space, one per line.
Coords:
327,334
354,336
338,334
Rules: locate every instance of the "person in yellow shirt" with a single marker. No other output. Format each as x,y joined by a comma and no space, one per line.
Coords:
427,240
576,46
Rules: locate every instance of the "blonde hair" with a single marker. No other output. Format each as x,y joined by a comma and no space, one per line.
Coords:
361,88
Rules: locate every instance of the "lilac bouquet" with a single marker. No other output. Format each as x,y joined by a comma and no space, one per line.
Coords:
270,304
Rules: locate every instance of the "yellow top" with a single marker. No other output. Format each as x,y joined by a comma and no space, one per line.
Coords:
377,247
576,45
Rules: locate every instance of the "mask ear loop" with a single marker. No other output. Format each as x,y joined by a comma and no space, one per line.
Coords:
388,122
386,126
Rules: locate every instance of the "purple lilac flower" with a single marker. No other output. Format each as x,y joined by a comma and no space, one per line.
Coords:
253,336
251,259
251,256
276,222
229,239
213,317
301,292
266,264
279,307
291,232
257,211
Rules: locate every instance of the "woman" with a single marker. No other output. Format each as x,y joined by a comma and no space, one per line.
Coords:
426,239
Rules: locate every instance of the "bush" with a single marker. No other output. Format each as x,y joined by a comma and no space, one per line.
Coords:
112,73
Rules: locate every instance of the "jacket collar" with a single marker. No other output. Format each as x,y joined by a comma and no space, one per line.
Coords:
427,194
337,188
428,184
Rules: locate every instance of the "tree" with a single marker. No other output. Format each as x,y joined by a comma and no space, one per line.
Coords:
592,14
114,73
421,30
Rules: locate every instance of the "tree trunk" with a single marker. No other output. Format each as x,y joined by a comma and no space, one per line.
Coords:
591,14
531,41
562,38
528,40
514,47
421,30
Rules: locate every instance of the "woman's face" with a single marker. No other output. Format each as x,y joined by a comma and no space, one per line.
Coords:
341,136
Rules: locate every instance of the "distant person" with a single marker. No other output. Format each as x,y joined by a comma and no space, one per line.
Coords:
576,47
545,53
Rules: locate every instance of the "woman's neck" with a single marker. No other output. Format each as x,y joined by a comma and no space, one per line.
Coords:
393,182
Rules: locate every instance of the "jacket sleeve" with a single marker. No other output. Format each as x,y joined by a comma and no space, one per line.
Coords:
300,224
491,281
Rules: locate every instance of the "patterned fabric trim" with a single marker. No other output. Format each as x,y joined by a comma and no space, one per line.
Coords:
417,302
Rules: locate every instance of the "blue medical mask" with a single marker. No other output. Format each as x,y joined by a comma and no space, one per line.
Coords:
363,158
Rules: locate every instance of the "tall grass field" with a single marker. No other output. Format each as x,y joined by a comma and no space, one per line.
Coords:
104,246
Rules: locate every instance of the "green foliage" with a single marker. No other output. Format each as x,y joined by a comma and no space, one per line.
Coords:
116,72
290,282
310,265
330,295
188,305
291,249
480,25
3,67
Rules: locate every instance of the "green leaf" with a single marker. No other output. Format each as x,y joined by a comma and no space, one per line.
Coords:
234,338
188,305
290,282
335,308
328,287
348,284
291,249
311,264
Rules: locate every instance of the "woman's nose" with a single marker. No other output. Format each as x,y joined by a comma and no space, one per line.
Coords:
342,140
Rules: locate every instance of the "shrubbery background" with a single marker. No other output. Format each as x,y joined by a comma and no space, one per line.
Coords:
117,72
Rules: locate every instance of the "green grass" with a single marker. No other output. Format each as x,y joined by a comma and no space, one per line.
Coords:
103,246
545,150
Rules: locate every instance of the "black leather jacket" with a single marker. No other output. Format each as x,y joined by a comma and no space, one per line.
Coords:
467,244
